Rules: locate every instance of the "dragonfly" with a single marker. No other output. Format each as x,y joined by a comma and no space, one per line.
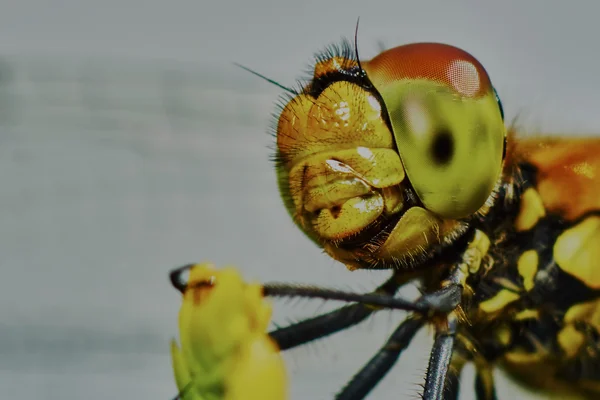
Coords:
405,163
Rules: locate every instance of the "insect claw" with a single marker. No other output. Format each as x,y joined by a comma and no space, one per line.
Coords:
175,277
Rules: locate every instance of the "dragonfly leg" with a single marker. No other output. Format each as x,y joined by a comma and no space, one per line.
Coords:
327,324
440,301
369,376
443,301
485,389
439,361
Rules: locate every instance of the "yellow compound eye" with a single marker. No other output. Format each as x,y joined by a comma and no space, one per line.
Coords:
451,148
446,122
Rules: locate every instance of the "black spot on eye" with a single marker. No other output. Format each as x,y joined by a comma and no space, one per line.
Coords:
442,147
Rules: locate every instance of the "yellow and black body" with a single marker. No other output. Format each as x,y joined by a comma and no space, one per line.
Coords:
535,305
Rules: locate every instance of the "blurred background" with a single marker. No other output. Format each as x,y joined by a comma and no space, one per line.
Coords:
130,144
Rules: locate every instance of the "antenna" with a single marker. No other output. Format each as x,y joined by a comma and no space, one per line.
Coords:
356,45
279,85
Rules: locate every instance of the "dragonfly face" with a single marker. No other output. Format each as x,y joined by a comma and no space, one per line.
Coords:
382,162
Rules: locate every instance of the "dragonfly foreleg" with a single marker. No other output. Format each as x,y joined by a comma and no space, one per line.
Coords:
327,324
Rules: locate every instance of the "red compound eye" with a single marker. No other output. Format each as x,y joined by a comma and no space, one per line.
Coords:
437,62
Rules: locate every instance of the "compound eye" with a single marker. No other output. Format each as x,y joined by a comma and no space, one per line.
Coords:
447,124
452,150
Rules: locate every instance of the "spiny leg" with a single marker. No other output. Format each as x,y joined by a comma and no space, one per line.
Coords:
324,325
439,361
375,370
375,300
378,366
441,301
438,370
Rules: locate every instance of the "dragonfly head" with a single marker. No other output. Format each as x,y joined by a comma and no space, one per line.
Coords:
382,162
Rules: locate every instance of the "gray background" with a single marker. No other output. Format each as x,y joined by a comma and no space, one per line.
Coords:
130,144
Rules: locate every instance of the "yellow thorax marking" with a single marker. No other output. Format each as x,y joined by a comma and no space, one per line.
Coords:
532,209
577,251
528,266
499,301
